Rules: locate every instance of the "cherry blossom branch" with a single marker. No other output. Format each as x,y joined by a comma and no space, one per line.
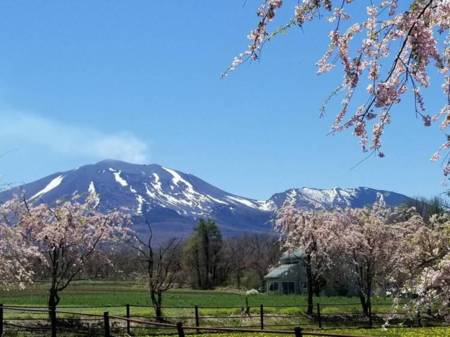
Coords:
420,30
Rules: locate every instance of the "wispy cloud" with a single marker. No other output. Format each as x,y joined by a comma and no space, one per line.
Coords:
71,140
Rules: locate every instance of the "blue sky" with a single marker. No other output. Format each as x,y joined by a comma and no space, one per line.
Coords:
139,81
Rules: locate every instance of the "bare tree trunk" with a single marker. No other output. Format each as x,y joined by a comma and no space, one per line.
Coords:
156,298
363,300
238,279
365,289
214,275
53,298
369,291
197,268
207,261
309,278
53,301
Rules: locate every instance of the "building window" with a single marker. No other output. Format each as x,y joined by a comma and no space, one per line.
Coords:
288,287
273,286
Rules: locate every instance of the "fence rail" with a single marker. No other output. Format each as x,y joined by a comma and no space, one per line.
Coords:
55,322
109,324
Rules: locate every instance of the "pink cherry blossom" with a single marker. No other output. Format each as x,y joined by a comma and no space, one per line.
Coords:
16,254
392,250
316,235
424,268
390,49
64,238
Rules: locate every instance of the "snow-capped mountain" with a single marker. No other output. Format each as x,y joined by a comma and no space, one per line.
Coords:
313,198
173,201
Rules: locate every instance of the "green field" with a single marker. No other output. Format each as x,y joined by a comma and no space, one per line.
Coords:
95,293
217,308
96,297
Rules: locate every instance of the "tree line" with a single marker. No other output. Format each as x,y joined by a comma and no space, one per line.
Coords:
71,241
205,259
403,252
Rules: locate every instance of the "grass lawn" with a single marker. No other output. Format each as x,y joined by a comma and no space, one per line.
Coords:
217,308
95,297
104,293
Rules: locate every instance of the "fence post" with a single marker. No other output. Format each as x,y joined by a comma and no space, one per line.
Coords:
106,324
180,329
53,320
261,316
1,319
197,318
419,320
128,320
319,317
298,332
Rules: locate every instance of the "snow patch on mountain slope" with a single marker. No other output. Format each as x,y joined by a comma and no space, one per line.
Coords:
157,183
267,205
380,198
122,182
176,178
140,200
155,192
242,201
291,196
318,197
93,194
50,186
181,195
149,192
216,200
314,198
188,195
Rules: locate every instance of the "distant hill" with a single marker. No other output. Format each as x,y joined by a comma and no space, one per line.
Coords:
173,201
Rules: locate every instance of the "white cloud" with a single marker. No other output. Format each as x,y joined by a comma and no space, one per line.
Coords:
71,140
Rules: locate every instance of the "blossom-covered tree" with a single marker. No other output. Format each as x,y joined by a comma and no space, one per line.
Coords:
317,235
424,273
67,236
371,239
388,52
16,255
393,250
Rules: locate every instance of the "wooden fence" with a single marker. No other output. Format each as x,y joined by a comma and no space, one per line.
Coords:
109,325
264,317
136,318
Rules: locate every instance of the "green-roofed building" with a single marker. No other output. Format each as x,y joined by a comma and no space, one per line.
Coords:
289,276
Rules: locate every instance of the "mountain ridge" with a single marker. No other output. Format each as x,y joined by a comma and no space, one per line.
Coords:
173,201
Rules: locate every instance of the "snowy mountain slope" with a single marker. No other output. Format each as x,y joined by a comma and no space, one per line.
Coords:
173,201
313,198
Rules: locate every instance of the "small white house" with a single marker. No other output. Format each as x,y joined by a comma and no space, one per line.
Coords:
289,276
